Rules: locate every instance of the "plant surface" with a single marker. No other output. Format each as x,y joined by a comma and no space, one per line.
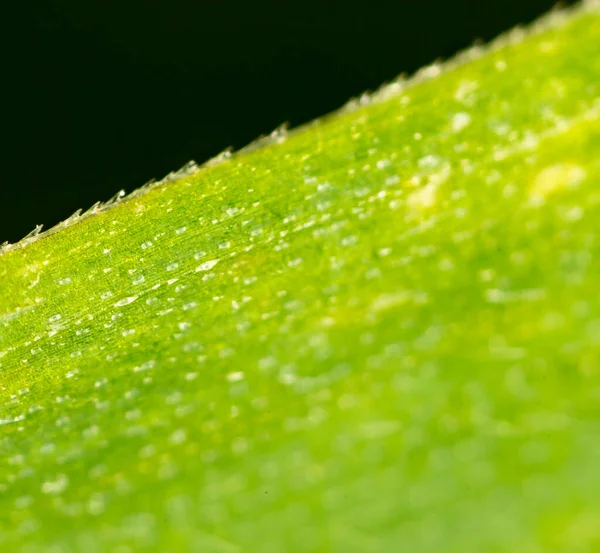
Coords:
377,333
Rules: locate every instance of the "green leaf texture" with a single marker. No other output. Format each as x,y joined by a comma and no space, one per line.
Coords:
377,333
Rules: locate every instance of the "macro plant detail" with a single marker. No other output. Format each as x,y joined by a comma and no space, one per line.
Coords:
382,328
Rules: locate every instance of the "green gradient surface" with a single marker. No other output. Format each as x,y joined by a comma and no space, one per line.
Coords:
380,333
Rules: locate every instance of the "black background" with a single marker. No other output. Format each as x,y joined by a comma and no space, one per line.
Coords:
107,95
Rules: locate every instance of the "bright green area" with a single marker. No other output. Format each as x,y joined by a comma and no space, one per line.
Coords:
380,335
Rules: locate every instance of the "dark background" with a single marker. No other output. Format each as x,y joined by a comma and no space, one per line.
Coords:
107,95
